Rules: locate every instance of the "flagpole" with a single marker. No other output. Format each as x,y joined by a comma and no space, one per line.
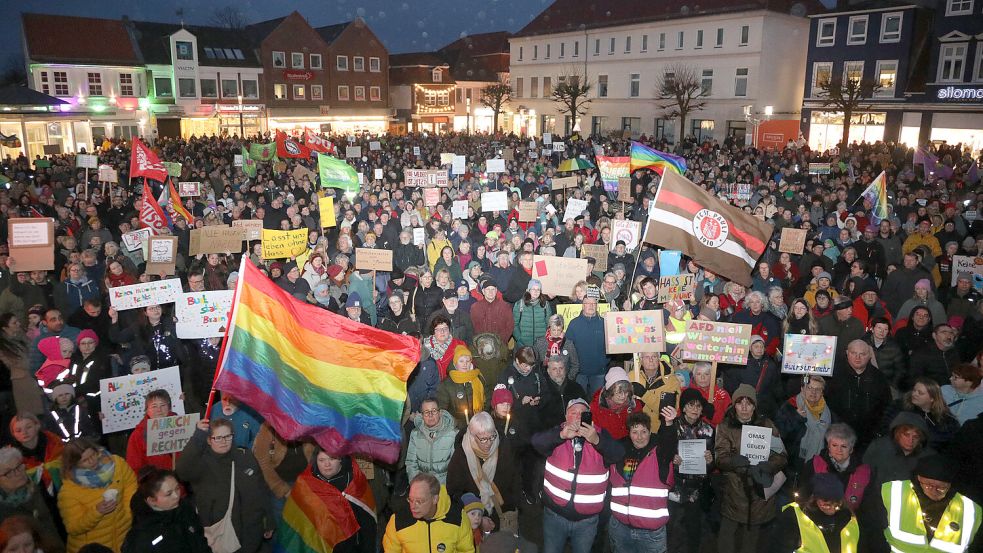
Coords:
641,239
229,325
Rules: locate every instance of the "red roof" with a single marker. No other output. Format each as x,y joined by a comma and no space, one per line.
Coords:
59,38
574,15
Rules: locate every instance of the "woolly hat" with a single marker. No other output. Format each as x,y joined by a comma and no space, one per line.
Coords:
354,300
690,395
501,395
472,503
534,283
615,375
87,333
745,390
62,388
827,486
935,467
924,283
825,275
461,351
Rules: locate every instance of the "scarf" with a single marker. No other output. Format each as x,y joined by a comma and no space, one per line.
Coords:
553,344
99,477
483,473
816,424
18,497
472,377
437,352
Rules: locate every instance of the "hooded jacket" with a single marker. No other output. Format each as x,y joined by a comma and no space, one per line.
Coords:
885,457
448,532
175,531
430,449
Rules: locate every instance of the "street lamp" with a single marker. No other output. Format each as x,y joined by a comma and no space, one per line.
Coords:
242,132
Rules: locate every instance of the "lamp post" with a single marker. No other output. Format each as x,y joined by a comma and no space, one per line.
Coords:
242,131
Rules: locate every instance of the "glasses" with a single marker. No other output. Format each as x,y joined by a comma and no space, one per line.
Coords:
814,389
935,487
431,412
418,502
487,440
16,470
223,438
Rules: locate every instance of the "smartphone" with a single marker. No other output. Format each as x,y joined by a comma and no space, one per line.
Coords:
586,418
667,400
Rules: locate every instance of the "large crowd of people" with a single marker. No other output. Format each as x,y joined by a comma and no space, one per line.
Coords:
521,432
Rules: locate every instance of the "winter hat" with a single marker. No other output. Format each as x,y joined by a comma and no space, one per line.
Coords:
396,274
354,300
449,293
745,390
233,277
461,351
923,283
87,333
935,467
825,275
501,395
534,283
615,375
690,395
843,302
62,388
140,362
708,314
472,503
962,275
50,348
576,401
827,486
756,338
486,282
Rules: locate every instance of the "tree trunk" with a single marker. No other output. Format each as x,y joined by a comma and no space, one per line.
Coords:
682,130
495,122
845,143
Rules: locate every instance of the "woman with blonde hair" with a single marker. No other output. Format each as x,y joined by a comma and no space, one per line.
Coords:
800,319
925,399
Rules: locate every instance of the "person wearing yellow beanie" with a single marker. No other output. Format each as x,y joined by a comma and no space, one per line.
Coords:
462,394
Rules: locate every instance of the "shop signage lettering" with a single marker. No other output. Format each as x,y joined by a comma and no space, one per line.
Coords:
953,93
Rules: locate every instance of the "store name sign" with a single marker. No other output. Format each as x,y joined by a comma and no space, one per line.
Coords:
294,75
953,93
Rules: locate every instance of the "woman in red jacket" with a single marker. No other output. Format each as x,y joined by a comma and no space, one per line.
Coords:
612,405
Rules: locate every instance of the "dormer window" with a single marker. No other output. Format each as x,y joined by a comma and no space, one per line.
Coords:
438,75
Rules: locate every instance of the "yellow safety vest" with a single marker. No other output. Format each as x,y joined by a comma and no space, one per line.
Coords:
905,530
677,328
812,537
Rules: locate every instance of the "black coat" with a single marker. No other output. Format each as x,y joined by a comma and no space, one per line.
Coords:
787,537
508,475
859,400
178,530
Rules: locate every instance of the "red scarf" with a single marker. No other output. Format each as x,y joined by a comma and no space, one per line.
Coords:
552,344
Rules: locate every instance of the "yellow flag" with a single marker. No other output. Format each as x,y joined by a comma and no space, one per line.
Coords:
281,244
326,207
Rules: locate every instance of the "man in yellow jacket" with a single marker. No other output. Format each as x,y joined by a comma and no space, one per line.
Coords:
433,523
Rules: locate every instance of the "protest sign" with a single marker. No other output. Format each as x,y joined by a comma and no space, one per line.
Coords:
624,189
737,191
416,151
325,207
570,311
669,262
31,244
460,209
108,174
600,254
793,240
634,331
371,259
252,228
508,154
431,197
533,154
527,212
415,177
716,342
281,244
575,208
202,314
692,452
215,239
173,168
134,240
447,158
558,274
809,354
819,168
86,161
755,443
419,236
495,166
377,174
143,294
122,397
437,177
495,201
301,172
162,256
375,146
188,189
170,434
353,151
559,183
627,231
676,287
547,138
459,167
559,146
966,264
237,160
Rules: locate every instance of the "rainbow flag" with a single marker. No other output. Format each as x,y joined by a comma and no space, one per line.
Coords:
176,204
314,374
611,168
643,157
317,517
876,194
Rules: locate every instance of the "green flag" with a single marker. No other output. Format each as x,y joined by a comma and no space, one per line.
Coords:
262,152
4,181
248,164
42,163
335,173
173,168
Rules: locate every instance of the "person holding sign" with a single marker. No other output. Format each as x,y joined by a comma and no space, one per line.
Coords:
654,383
686,507
156,405
744,507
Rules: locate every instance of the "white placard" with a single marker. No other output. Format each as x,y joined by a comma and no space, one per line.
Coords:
495,166
419,236
353,151
134,240
87,161
122,397
574,209
559,147
629,231
107,174
447,158
375,146
692,453
202,314
460,209
377,174
965,264
170,434
416,151
547,138
532,144
29,234
237,160
143,294
162,251
755,443
547,152
533,155
494,201
459,166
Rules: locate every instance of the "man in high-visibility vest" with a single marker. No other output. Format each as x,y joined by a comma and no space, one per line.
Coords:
820,523
925,513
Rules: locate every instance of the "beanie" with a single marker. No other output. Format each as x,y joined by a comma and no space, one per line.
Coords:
501,395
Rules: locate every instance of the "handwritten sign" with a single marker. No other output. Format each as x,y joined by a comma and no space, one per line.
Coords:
107,174
558,274
431,197
134,240
122,398
437,177
495,166
793,240
419,236
31,244
547,138
737,191
575,208
809,354
215,239
162,255
325,207
624,189
353,151
634,331
494,201
677,287
170,434
600,254
459,167
446,158
189,189
415,177
627,231
460,209
371,259
237,160
755,443
143,294
559,183
86,161
202,314
527,212
252,228
375,146
966,264
713,341
570,311
281,244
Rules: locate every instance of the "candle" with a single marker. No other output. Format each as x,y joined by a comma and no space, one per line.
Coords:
508,418
467,419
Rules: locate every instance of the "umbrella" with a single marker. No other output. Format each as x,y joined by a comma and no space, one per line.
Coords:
575,164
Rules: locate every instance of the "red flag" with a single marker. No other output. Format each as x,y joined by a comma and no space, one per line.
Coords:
715,234
317,144
151,215
289,147
145,163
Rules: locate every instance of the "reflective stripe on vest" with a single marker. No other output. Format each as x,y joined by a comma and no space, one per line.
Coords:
678,329
644,503
584,490
906,528
811,537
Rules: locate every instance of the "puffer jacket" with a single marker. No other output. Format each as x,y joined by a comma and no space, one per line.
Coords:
739,493
175,531
448,528
430,450
530,321
83,522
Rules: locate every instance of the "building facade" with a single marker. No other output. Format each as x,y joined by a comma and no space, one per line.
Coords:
476,62
423,92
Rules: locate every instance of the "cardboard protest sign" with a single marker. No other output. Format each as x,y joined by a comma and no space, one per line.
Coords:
300,172
628,231
755,443
624,189
508,154
676,287
86,161
31,243
600,254
415,177
793,240
809,354
431,197
162,255
459,167
371,259
713,341
575,208
966,264
202,314
134,240
375,146
558,274
108,174
559,183
527,212
325,207
495,201
215,239
819,168
143,294
570,311
281,244
460,209
634,331
353,151
252,229
446,158
122,397
495,166
170,434
188,189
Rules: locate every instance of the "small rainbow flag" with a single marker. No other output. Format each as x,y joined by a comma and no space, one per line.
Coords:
643,157
314,374
876,194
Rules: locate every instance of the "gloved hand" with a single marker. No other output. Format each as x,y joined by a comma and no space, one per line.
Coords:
741,461
762,475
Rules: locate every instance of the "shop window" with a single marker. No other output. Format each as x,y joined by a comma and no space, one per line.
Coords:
343,93
702,129
186,88
162,87
126,85
208,88
230,88
664,130
358,63
279,59
250,89
375,93
317,92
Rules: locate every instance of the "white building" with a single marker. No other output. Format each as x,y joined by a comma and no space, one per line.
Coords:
751,63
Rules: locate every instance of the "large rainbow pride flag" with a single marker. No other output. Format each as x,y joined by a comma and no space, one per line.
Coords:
643,157
314,374
876,194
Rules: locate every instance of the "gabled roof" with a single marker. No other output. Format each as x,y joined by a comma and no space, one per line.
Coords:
417,68
479,57
66,39
259,31
575,15
330,32
480,44
154,44
14,95
413,59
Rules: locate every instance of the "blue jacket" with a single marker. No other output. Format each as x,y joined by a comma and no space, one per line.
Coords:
423,383
587,335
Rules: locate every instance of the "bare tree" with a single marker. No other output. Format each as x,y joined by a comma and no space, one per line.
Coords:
847,95
679,92
495,97
571,93
229,17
